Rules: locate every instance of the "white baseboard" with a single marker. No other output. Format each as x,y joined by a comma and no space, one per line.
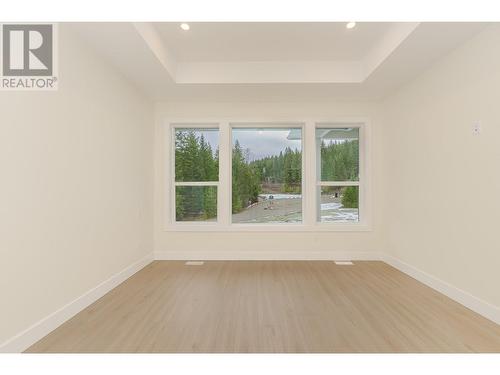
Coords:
266,255
466,299
31,335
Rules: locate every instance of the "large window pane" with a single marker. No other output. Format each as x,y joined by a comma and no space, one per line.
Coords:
338,153
195,203
339,204
267,175
196,155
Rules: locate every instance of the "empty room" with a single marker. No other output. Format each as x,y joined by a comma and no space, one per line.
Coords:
250,187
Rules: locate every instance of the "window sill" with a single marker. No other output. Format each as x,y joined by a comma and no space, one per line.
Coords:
214,227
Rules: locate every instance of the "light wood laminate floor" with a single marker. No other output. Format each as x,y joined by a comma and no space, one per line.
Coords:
273,306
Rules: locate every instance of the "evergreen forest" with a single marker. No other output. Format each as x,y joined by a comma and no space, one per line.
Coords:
196,161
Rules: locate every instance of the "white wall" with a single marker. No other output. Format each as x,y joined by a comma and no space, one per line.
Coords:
265,244
443,201
75,186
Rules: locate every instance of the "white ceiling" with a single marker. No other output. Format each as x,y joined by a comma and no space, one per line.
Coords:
273,61
285,41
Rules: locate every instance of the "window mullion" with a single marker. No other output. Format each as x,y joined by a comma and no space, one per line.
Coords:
338,183
309,174
224,190
197,183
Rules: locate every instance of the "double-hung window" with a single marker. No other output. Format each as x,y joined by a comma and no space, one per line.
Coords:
297,175
337,172
196,174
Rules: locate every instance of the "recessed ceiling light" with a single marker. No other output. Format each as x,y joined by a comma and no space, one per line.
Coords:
350,25
184,26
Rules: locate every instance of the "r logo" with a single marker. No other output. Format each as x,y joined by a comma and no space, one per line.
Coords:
27,50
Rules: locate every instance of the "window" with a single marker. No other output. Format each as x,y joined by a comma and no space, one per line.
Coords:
267,176
196,174
337,164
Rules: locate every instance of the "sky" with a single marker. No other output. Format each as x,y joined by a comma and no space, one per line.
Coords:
260,142
264,142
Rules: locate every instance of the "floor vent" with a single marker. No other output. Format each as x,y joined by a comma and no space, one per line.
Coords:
344,263
194,263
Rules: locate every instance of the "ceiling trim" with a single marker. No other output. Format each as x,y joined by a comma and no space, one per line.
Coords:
270,72
392,39
138,52
259,72
155,43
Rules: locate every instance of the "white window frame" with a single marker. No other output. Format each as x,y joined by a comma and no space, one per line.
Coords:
310,179
268,125
175,184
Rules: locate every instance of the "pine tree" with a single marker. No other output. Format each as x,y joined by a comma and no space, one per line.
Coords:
237,163
194,161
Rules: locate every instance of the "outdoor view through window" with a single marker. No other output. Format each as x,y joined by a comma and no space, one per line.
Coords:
267,175
338,154
196,174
